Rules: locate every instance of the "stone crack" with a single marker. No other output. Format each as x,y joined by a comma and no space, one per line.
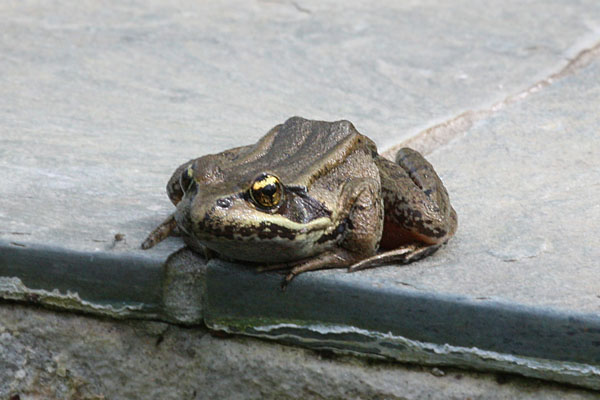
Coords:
439,135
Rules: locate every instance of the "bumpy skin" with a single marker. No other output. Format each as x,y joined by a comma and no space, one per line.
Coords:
418,215
340,199
415,200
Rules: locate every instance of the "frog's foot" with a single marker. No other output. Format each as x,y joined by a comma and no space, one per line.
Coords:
334,259
160,233
403,255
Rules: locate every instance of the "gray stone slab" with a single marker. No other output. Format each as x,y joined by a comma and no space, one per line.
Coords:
118,285
523,263
113,285
525,186
100,103
78,357
385,320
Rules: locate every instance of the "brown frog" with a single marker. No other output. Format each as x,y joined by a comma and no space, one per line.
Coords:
310,195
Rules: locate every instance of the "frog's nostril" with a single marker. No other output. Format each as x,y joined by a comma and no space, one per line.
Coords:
224,203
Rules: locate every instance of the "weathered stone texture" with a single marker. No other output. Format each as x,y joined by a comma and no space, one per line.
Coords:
53,355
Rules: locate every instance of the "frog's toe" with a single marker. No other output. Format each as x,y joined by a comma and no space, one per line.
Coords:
397,255
402,255
288,278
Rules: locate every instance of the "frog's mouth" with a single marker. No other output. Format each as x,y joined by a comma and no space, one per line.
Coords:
264,241
271,251
273,228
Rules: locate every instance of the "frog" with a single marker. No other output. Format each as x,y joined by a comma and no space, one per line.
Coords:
309,195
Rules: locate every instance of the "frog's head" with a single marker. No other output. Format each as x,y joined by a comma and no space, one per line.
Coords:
240,213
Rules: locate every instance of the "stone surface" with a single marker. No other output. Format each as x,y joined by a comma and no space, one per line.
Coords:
524,182
55,355
102,101
384,320
524,179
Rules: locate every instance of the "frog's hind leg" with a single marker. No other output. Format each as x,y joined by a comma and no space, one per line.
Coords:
418,215
417,206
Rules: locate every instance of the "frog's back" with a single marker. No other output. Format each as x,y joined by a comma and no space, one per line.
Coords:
299,151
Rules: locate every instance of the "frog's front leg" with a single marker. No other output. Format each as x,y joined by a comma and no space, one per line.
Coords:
161,232
363,223
175,191
418,215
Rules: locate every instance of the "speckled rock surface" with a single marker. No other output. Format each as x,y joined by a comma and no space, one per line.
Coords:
47,355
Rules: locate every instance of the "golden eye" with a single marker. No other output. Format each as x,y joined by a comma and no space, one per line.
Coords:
266,191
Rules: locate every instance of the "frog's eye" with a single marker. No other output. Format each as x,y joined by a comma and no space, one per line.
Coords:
186,179
266,190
